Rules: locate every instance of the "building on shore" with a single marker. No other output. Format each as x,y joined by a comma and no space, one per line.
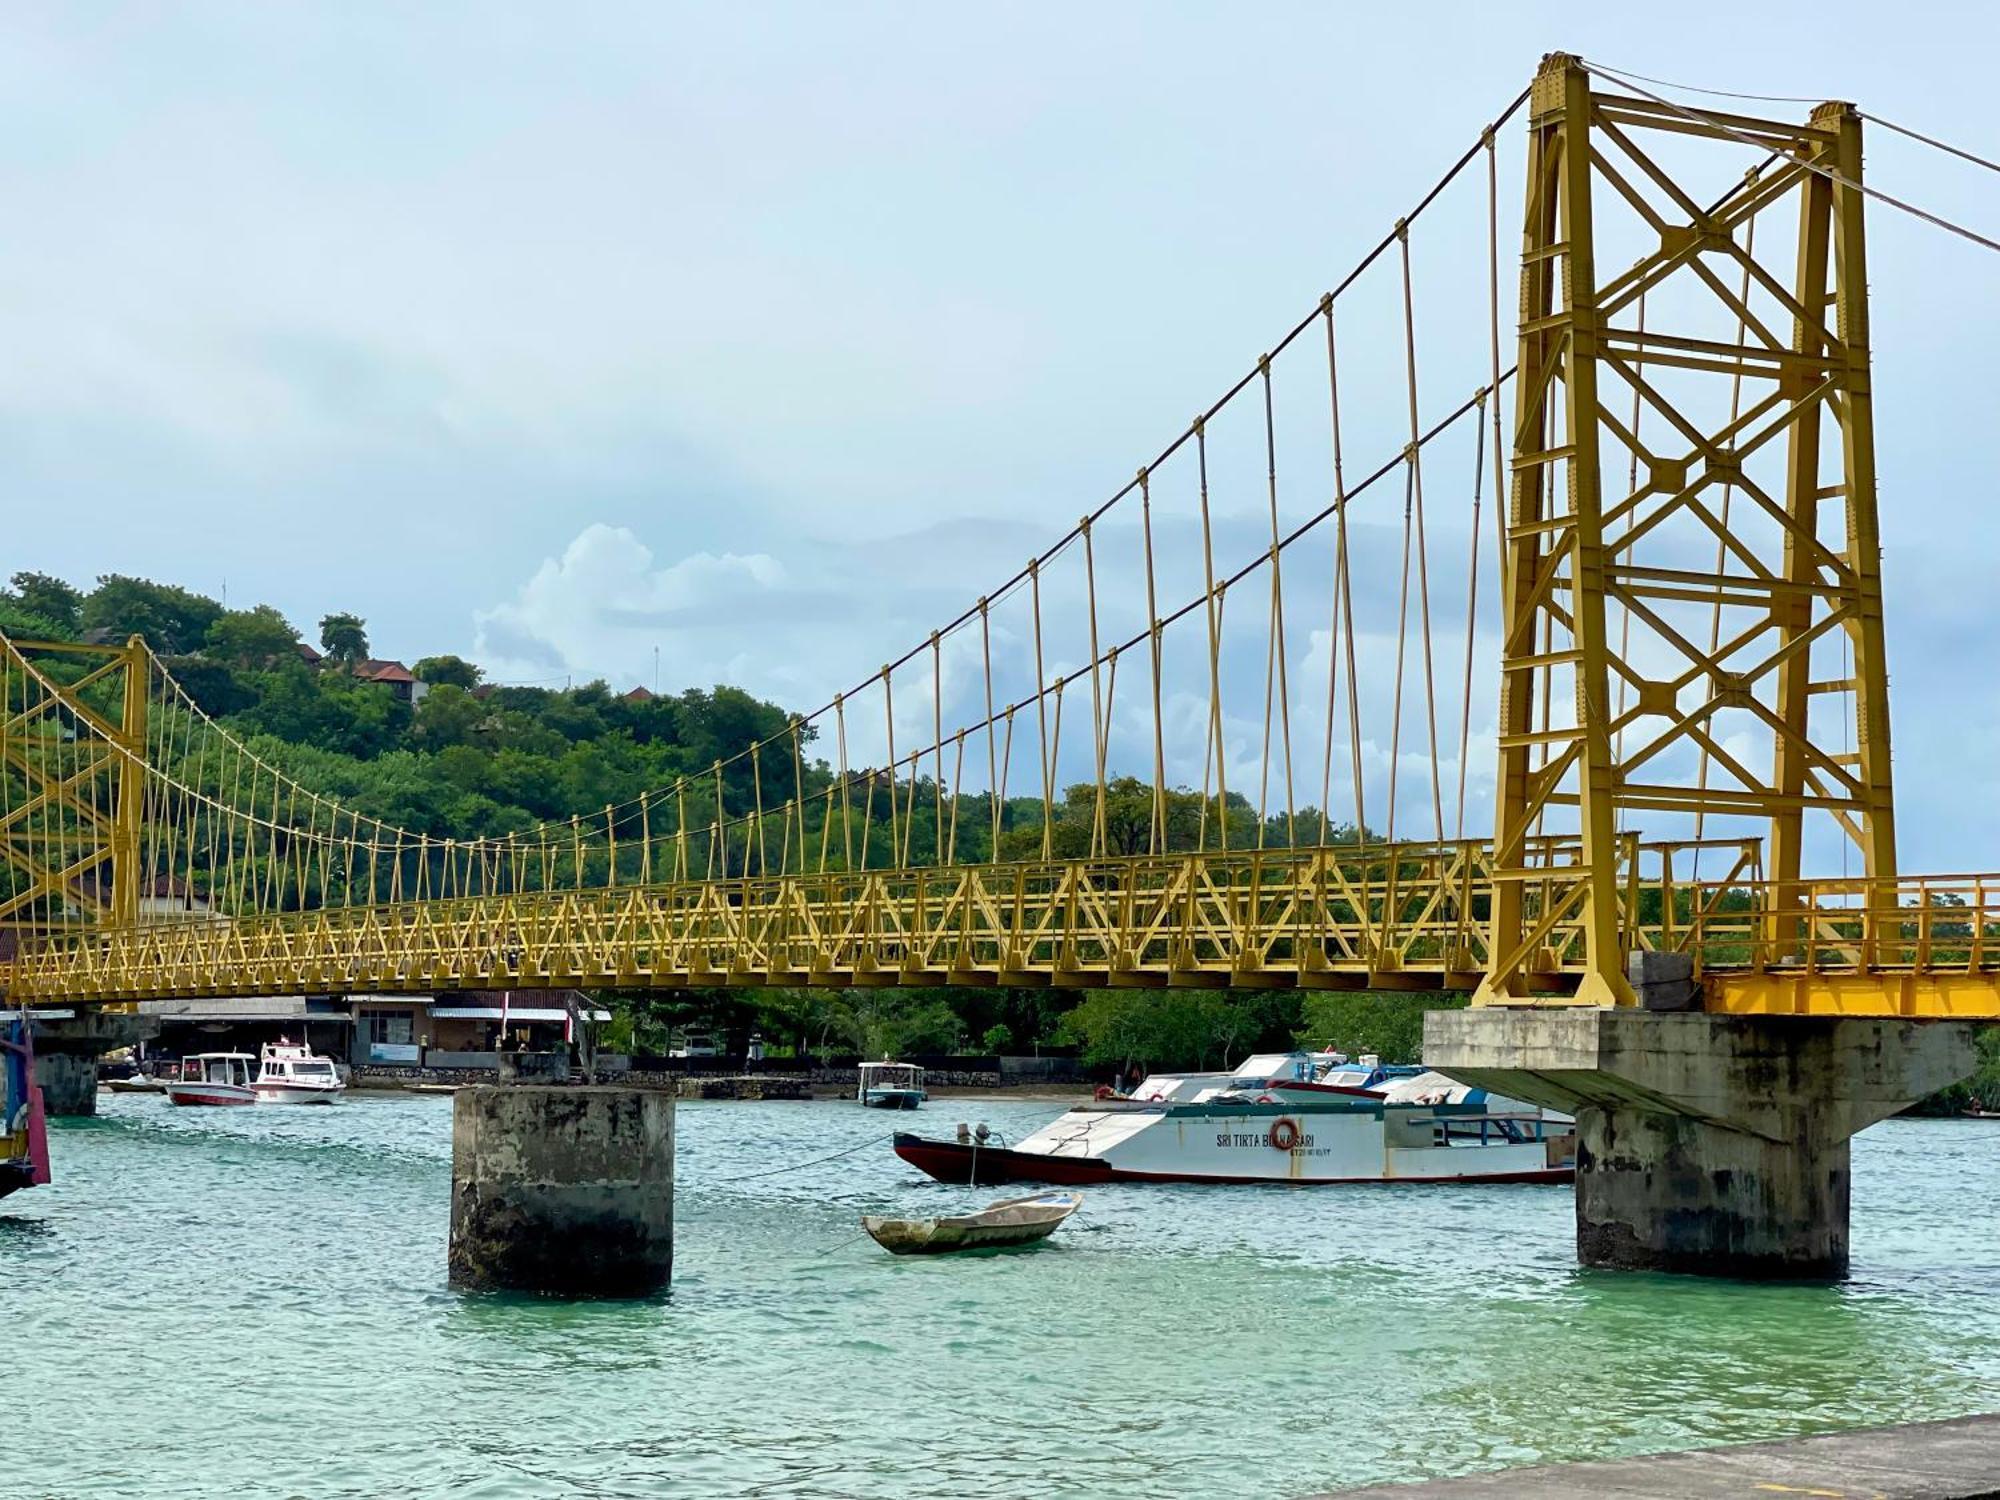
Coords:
462,1030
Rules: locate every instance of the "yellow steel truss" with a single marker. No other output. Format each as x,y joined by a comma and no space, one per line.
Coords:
72,821
1572,547
1399,917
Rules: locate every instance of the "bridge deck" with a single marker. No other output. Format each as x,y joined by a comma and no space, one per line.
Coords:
1395,918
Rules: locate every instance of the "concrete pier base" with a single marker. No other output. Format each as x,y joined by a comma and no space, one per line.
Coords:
564,1190
66,1053
1716,1145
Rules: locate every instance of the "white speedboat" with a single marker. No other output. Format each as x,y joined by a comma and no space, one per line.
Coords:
213,1078
296,1075
1298,1118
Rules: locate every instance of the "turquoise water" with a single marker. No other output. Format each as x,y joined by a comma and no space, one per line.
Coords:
253,1301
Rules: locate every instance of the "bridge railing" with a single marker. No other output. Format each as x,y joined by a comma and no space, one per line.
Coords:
1927,923
1392,915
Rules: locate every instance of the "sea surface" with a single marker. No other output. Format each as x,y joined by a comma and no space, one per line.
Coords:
231,1302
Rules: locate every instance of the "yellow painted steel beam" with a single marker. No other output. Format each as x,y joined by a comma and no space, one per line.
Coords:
1915,995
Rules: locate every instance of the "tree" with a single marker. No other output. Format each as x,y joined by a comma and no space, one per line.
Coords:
1357,1021
447,671
258,637
344,638
447,716
998,1039
1172,1028
173,620
50,598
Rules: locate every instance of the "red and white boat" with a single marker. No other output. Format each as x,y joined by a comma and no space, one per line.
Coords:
1299,1118
296,1075
214,1078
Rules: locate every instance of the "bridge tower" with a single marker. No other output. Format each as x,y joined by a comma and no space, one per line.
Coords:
73,740
1691,585
1691,570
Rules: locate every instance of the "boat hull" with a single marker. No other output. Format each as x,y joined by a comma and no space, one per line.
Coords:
292,1093
990,1166
1332,1142
892,1099
206,1095
1023,1221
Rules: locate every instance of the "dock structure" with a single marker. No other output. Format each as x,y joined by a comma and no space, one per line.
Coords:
1953,1460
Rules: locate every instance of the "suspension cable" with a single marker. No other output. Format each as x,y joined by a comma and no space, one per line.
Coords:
1831,175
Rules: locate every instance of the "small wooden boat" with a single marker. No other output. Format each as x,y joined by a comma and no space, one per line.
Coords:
1016,1221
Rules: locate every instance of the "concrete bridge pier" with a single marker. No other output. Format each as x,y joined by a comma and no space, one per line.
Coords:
66,1053
563,1190
1715,1145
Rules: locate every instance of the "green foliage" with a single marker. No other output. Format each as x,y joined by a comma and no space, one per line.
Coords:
258,637
1383,1022
1980,1091
344,638
49,599
172,619
446,671
216,689
23,624
329,710
1177,1028
999,1039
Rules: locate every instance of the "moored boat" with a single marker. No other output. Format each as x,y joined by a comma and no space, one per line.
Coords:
1299,1119
138,1083
890,1085
296,1075
1015,1221
213,1078
24,1140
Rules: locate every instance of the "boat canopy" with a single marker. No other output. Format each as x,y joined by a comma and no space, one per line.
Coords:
1297,1066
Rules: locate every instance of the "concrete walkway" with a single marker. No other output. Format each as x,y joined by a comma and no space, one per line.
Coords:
1956,1460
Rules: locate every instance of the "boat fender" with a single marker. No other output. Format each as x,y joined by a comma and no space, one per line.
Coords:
1285,1136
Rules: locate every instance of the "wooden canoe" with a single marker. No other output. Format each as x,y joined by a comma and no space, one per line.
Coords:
1016,1221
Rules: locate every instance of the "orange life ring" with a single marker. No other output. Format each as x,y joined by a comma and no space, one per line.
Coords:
1285,1136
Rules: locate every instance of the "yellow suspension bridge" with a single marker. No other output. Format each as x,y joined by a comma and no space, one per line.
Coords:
1672,505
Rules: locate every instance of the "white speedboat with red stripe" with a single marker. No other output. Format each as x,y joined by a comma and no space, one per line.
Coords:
1299,1119
296,1075
214,1078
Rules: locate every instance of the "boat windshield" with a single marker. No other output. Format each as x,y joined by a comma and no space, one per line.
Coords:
312,1070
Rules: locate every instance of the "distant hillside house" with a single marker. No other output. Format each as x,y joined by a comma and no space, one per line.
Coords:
399,679
639,695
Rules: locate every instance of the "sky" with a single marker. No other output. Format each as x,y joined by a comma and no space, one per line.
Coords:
760,340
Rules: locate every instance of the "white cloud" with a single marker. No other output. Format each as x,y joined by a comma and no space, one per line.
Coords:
602,608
